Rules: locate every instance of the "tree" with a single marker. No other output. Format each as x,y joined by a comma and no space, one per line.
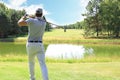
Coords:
8,21
93,15
4,25
110,12
103,15
4,21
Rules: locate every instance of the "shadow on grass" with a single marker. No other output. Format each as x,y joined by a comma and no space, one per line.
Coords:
7,40
11,38
103,37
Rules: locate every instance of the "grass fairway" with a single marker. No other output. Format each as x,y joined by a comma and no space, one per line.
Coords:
67,71
103,65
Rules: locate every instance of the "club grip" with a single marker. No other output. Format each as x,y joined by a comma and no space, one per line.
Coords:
26,15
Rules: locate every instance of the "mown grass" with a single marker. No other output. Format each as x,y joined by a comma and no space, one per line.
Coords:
104,64
102,53
74,36
62,71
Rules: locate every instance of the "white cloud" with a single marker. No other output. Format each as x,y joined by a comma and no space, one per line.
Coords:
31,9
17,2
21,4
1,0
82,4
52,21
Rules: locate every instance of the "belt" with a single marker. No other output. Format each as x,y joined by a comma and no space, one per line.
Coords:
35,41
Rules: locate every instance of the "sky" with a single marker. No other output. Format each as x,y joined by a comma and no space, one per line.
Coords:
60,12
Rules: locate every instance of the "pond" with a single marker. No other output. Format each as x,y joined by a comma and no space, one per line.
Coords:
67,51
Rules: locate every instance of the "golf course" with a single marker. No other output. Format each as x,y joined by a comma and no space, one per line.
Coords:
75,39
103,64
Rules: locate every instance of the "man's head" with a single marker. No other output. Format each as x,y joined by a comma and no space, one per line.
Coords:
39,12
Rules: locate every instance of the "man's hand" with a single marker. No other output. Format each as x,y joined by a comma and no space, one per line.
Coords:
22,21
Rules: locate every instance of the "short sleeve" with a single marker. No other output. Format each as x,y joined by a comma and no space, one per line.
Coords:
29,21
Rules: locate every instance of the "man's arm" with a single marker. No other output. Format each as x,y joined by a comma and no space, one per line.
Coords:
22,22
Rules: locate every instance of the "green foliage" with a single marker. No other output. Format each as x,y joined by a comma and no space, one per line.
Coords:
76,25
3,27
62,71
103,16
8,21
3,19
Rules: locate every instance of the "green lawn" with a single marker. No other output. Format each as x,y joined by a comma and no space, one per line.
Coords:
73,36
62,71
103,65
105,50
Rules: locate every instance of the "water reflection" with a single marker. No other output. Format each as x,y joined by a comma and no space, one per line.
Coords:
67,51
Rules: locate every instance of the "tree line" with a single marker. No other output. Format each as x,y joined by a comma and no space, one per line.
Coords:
8,22
102,18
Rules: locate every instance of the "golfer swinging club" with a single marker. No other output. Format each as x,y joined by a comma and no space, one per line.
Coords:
34,44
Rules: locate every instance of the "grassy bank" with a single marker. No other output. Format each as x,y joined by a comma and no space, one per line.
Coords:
105,50
102,53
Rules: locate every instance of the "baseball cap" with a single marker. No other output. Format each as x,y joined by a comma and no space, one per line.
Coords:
39,11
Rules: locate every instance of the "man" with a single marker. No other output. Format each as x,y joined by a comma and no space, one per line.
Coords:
34,44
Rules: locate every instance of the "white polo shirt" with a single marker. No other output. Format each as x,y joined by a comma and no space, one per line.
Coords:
36,27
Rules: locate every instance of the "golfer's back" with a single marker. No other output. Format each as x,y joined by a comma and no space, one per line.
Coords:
36,28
